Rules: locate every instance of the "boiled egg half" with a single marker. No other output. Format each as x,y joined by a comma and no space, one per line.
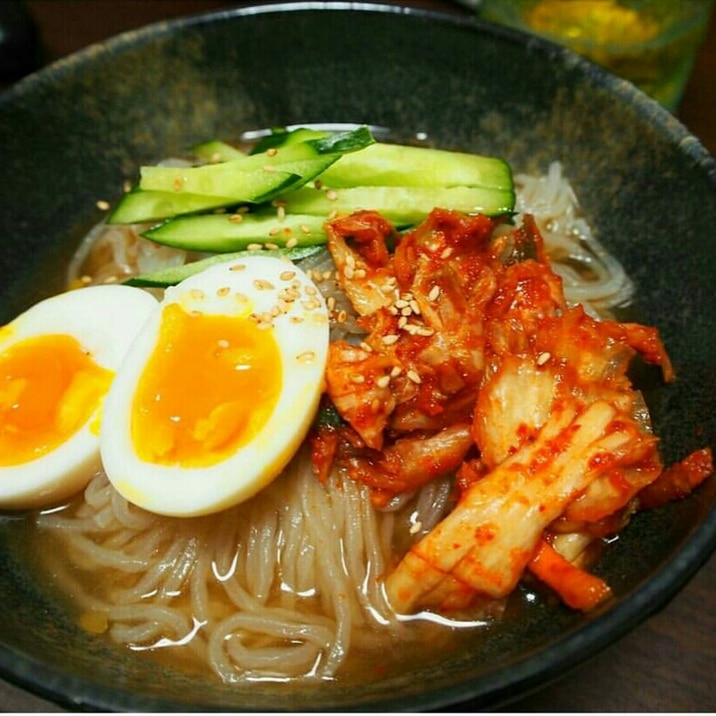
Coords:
57,362
219,389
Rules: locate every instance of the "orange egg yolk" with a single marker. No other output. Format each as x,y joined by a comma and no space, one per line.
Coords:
208,388
49,388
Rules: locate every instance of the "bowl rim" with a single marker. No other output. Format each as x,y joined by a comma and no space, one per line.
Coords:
532,671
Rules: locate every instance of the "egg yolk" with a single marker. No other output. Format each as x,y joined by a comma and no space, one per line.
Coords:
208,388
49,387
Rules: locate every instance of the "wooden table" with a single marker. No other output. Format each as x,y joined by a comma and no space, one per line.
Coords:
666,664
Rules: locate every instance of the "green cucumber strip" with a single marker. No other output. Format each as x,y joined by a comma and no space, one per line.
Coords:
282,137
399,165
176,274
137,206
404,206
233,178
223,233
230,182
216,151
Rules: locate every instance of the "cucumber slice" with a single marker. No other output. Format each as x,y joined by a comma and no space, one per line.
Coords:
222,233
404,206
176,274
216,151
399,165
234,178
138,206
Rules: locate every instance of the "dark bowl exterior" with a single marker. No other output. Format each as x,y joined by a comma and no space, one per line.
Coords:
74,132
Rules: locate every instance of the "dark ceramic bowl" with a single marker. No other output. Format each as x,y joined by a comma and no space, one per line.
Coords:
71,134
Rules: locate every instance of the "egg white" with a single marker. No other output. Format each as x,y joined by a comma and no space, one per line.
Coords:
104,320
301,331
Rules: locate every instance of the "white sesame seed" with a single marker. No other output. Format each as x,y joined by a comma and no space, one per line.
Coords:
434,293
293,241
306,357
390,339
542,358
102,205
262,284
287,275
414,377
383,381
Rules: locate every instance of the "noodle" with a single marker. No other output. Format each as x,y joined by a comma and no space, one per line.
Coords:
271,559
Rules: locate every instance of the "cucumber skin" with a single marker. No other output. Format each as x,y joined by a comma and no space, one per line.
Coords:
138,206
219,233
383,164
404,206
176,274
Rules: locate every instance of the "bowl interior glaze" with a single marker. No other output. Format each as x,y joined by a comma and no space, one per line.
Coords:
74,132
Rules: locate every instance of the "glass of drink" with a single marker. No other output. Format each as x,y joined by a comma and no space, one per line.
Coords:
651,43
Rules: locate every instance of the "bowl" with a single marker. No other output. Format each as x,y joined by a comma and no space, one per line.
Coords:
73,133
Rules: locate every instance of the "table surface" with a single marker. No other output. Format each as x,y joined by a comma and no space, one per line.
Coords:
667,663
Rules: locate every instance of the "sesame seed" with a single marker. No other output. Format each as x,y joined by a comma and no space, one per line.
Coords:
311,304
360,273
390,339
281,212
296,319
237,267
262,284
383,381
274,231
269,168
305,228
310,290
424,331
223,343
401,303
242,298
446,253
414,377
366,347
236,218
415,307
223,291
543,358
350,261
110,279
271,247
287,275
342,316
196,294
293,241
331,302
407,311
395,371
375,405
327,274
331,195
272,152
254,247
357,378
402,322
102,205
349,272
434,293
306,357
